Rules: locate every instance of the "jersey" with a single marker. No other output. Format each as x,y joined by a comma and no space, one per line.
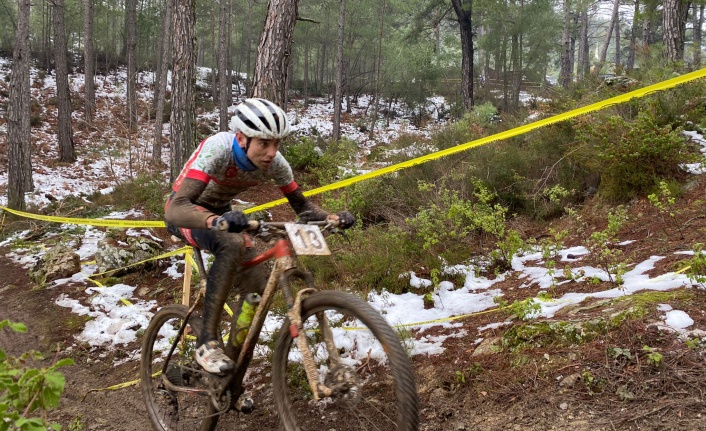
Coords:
213,163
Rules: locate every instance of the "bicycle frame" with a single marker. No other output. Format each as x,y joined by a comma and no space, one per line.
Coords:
286,267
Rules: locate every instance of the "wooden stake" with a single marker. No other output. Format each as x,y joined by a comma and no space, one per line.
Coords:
187,280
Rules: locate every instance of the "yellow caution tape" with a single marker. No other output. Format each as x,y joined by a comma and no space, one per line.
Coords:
428,322
161,256
498,136
118,386
228,310
663,276
683,269
86,221
134,382
660,86
184,250
96,282
189,255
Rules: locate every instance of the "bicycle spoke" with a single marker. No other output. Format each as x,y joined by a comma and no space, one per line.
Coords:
174,409
366,395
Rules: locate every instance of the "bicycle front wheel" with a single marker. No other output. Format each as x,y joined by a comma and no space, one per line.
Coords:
174,410
373,376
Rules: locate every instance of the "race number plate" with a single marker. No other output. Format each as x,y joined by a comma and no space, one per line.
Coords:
307,239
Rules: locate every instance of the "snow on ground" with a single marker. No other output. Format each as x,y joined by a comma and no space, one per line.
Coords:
117,314
106,159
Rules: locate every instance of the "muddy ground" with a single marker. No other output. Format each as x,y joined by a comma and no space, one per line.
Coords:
547,385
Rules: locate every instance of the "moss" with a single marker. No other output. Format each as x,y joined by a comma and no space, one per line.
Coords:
565,333
76,322
652,298
631,313
542,334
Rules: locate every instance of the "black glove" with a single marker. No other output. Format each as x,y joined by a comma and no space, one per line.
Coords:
232,221
311,215
345,219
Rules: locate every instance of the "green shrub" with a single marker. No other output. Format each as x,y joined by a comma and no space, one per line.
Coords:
147,190
695,267
452,218
370,260
26,392
632,156
301,154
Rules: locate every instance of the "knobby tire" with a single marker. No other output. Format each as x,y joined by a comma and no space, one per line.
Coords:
169,418
403,415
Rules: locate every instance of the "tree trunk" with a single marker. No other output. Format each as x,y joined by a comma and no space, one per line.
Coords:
338,95
322,69
19,175
181,138
674,24
584,55
516,69
609,33
572,47
274,51
698,23
565,71
463,14
647,37
248,90
131,21
630,64
161,86
215,72
306,74
88,63
45,58
229,53
224,87
378,66
618,65
64,132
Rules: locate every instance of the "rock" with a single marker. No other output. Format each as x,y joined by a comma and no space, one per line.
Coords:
624,393
570,380
58,262
564,406
488,345
114,253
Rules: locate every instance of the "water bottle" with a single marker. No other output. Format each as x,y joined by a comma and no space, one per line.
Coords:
247,312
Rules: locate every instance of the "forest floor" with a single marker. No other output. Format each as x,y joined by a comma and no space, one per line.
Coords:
551,385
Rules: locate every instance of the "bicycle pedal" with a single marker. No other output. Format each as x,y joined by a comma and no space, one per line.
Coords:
245,405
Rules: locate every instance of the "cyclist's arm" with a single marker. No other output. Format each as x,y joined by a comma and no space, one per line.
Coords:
300,204
182,210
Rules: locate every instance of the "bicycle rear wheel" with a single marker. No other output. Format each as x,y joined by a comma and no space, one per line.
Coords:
174,410
375,378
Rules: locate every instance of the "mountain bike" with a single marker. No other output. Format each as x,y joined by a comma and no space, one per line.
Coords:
336,362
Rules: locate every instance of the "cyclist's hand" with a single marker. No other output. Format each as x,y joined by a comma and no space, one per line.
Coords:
232,221
345,219
310,215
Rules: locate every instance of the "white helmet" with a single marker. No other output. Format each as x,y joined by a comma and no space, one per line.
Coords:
260,118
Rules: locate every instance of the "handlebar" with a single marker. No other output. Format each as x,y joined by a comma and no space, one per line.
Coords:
255,225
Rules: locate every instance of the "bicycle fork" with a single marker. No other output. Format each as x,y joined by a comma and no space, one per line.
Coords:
298,333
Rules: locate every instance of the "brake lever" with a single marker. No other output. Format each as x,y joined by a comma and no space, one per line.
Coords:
337,231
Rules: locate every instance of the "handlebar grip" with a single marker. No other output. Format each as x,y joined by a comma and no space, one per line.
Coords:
253,225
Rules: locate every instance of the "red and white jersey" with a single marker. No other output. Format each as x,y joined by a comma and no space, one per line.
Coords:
213,163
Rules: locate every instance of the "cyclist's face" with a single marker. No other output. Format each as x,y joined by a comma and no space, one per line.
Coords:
262,152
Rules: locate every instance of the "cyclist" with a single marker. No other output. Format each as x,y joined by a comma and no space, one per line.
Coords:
222,166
